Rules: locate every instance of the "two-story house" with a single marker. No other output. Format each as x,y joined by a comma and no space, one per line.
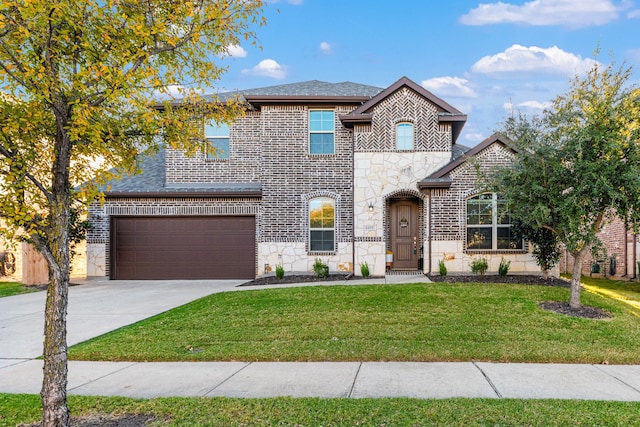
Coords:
344,172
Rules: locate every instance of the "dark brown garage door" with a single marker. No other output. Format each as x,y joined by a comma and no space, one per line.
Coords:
182,248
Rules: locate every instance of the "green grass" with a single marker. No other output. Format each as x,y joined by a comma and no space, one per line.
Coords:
191,412
416,322
8,289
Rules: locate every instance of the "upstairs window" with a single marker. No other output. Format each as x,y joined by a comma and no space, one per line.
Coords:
217,137
404,136
322,223
489,224
321,131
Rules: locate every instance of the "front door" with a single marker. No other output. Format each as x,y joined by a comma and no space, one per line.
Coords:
405,242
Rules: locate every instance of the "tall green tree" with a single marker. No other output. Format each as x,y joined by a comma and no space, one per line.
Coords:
77,79
578,165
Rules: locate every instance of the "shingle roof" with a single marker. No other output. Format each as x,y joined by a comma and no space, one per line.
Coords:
308,88
151,182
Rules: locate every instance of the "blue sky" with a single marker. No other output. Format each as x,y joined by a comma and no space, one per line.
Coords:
486,59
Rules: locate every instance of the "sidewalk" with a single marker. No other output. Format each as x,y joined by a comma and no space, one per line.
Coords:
334,379
97,307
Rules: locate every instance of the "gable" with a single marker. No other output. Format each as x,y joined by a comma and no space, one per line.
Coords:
493,151
442,111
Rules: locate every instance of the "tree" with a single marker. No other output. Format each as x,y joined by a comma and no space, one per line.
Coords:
77,79
545,243
578,165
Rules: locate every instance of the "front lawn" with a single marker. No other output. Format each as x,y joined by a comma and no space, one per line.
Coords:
225,412
8,289
414,322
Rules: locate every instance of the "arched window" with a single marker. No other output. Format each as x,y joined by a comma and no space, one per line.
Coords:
489,224
322,223
404,136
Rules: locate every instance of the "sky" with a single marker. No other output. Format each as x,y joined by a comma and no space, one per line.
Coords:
488,59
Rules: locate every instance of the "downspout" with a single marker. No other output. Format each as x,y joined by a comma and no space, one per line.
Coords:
429,230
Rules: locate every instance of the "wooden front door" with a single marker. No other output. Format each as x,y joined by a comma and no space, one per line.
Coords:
405,242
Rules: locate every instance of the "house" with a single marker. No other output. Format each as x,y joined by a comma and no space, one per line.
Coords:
343,172
622,253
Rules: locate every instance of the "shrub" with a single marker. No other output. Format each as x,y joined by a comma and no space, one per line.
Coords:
279,271
504,266
479,266
320,268
442,268
364,269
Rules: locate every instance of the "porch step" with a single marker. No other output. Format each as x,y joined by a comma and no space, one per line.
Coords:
403,272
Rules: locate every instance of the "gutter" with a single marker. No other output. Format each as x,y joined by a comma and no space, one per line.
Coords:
182,194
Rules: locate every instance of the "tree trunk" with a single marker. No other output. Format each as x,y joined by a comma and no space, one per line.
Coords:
55,412
55,249
574,298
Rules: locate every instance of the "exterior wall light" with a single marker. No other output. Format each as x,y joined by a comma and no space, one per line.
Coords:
370,206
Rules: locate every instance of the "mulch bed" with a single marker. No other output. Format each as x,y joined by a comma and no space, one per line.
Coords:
512,279
295,278
584,311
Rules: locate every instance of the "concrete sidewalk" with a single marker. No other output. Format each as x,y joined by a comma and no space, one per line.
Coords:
97,307
334,379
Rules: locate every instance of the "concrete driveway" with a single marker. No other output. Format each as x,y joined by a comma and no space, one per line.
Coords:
95,307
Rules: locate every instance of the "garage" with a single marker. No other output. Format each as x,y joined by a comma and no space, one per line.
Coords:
163,248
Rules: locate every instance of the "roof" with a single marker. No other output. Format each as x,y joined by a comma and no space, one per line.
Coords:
151,183
309,91
460,154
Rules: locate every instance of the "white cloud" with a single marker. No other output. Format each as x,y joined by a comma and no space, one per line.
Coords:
235,51
533,59
634,14
534,107
473,136
175,92
449,86
325,47
570,13
267,68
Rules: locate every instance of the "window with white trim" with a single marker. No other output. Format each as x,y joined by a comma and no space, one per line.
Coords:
404,136
321,131
489,224
322,223
217,136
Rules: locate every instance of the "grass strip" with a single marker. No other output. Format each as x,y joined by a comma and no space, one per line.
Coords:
15,409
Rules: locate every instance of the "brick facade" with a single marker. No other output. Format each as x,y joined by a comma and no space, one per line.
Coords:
269,151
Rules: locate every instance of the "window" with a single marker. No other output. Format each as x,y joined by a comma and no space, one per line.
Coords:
489,224
321,224
404,136
321,130
217,136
